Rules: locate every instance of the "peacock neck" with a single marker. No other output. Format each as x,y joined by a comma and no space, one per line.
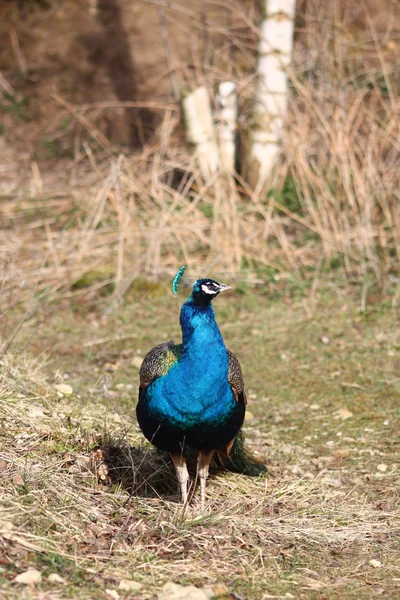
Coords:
201,337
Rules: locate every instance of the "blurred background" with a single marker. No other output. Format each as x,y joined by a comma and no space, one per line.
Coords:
99,185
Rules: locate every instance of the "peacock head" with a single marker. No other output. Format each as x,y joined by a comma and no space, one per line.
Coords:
203,290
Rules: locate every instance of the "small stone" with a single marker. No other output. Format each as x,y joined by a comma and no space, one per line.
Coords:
174,591
325,339
64,389
29,577
375,563
382,468
36,412
56,578
113,594
128,585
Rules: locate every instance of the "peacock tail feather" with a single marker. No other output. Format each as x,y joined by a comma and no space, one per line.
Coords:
241,459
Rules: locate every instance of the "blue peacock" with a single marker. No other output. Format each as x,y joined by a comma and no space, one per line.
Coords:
191,395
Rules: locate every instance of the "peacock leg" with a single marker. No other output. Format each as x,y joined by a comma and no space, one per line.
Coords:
203,464
181,472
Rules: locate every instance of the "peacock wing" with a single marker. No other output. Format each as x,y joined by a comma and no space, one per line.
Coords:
158,362
235,378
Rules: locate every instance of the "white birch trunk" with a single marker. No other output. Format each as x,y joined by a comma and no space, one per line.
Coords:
225,118
271,96
197,114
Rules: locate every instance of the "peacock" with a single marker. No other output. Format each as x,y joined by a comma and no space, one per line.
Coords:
191,395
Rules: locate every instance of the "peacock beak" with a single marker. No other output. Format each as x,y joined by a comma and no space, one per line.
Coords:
223,287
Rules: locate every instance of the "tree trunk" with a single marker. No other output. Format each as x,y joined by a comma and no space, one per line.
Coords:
271,96
197,114
225,118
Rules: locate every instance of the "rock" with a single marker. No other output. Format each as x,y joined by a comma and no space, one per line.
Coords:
127,585
56,578
382,468
29,577
375,563
64,389
173,591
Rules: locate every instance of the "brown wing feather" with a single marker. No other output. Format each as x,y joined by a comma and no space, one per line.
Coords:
235,378
158,362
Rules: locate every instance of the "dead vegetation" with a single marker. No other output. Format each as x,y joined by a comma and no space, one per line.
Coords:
83,498
111,216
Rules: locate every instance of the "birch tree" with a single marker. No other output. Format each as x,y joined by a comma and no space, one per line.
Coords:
200,131
271,96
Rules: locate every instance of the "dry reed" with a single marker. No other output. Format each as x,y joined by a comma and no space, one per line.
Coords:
122,216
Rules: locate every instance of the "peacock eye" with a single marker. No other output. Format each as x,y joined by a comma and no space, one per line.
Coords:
208,288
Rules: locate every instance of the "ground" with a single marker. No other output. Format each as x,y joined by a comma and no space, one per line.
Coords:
321,365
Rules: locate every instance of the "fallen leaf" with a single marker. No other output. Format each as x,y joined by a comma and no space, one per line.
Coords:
173,591
220,589
36,412
29,577
344,413
17,479
341,453
127,585
375,563
4,560
64,389
56,578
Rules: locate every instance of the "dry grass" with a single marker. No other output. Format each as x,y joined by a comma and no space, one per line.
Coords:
310,528
334,198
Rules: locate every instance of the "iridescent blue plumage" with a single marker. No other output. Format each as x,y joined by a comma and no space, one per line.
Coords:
187,397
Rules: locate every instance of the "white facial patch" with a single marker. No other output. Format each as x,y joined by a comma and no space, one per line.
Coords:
207,290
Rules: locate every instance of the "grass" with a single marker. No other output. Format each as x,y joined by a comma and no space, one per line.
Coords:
323,381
